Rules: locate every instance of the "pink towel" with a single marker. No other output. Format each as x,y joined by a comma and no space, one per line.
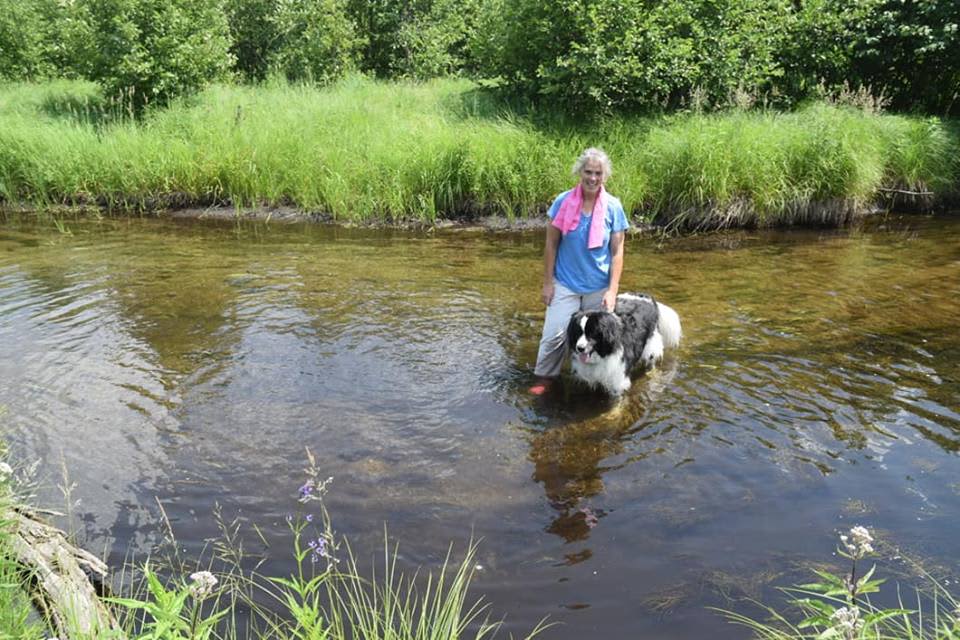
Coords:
568,217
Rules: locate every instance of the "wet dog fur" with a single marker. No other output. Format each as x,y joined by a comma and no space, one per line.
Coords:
607,346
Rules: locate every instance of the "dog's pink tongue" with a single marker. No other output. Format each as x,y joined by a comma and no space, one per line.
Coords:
583,357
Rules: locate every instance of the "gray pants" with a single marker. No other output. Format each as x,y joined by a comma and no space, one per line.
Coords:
553,342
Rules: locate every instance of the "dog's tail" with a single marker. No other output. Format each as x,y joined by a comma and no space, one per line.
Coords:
669,326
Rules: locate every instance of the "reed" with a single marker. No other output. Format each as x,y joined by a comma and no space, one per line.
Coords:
365,150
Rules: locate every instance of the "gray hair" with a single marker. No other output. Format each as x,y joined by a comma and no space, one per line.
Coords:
597,155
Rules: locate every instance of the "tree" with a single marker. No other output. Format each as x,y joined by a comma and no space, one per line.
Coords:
317,41
151,51
415,38
433,40
912,48
632,54
253,34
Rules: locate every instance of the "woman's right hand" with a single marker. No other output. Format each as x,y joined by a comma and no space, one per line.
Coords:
547,293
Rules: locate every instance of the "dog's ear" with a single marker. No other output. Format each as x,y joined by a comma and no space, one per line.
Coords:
573,329
608,330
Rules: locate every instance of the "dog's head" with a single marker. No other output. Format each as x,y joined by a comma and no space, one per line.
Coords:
592,335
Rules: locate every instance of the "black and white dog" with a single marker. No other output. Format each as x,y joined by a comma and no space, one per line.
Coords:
606,346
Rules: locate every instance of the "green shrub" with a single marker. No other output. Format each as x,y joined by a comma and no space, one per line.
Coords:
433,42
41,39
819,51
415,38
151,51
318,41
912,49
253,35
380,22
633,54
639,54
303,40
21,38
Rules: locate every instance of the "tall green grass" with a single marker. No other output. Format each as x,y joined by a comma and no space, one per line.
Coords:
367,150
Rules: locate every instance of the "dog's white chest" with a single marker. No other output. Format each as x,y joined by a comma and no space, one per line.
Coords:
609,372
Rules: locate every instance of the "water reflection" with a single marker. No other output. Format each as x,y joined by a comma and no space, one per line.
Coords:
585,432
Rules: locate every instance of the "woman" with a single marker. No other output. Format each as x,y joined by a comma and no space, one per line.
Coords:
582,260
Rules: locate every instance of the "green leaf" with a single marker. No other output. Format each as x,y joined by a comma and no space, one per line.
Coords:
875,617
286,582
129,603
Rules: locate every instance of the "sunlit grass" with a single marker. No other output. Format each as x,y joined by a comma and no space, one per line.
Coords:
365,150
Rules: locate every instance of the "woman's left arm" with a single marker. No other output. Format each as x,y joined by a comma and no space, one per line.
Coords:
616,268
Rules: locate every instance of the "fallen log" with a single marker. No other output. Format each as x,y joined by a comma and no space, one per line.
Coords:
905,192
60,573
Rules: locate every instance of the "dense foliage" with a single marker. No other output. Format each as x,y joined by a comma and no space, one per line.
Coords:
630,53
151,51
912,49
641,54
578,56
416,38
253,36
316,40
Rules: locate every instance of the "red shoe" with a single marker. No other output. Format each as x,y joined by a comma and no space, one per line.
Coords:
541,387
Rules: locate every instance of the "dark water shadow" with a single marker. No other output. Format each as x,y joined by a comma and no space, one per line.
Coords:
582,431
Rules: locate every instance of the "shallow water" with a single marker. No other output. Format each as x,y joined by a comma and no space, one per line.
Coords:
189,364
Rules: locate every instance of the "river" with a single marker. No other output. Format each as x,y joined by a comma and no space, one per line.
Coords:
189,364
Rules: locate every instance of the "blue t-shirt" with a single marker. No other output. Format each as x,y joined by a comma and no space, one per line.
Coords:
578,268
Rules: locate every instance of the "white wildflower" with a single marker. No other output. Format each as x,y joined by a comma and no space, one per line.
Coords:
203,584
859,543
847,621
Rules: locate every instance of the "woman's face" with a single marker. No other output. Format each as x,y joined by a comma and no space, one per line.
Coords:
591,177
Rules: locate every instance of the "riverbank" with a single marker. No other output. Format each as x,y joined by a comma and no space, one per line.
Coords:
392,153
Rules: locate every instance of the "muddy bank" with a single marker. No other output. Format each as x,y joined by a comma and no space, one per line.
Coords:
295,215
831,214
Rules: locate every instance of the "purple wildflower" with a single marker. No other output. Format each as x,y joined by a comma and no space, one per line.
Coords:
318,549
306,491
